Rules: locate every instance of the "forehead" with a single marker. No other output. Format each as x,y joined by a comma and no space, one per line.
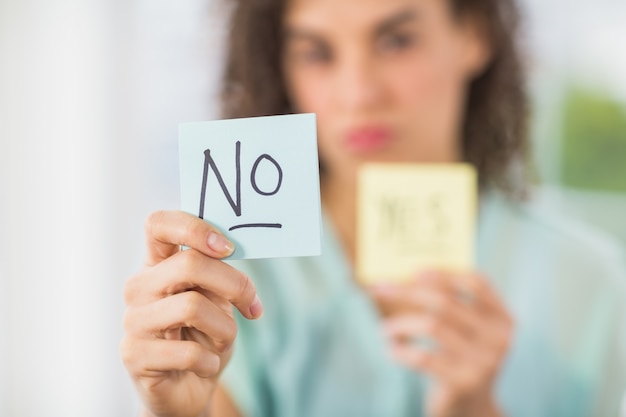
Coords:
329,15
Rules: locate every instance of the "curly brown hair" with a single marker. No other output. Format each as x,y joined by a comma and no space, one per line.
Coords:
495,131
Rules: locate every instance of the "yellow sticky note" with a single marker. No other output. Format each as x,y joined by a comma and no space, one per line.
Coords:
413,217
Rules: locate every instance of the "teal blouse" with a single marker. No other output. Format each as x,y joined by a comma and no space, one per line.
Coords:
319,351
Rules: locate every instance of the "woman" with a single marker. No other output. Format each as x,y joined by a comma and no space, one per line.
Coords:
395,81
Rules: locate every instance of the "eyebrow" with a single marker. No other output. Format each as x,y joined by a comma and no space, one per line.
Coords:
291,33
384,26
394,20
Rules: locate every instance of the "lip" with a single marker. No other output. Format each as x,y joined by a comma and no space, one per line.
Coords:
367,138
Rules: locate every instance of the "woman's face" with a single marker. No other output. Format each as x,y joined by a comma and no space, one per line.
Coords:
387,78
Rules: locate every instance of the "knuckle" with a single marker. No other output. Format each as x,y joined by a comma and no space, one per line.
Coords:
506,334
447,309
189,260
150,385
226,339
434,325
439,305
127,351
194,229
448,305
229,335
131,289
221,347
192,307
246,289
504,344
491,369
466,387
213,360
231,331
128,323
153,219
509,323
475,279
191,355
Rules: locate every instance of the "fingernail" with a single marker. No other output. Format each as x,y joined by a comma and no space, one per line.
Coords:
256,308
220,244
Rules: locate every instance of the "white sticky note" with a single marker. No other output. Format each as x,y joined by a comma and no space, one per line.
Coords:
413,217
257,180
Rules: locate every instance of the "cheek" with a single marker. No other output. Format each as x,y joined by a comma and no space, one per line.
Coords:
427,86
308,92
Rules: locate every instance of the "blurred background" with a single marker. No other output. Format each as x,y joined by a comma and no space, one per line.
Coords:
91,93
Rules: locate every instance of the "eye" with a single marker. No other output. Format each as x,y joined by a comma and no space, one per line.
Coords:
309,53
396,42
315,55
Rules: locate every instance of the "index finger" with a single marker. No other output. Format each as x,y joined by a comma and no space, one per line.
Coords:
471,287
166,231
428,290
479,287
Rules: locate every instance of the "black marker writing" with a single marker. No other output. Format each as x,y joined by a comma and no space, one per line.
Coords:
269,225
411,219
236,204
209,162
435,212
396,214
253,174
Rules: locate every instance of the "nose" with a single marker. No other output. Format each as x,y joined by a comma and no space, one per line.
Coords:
359,85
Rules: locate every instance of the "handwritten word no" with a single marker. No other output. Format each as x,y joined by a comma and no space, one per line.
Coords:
235,204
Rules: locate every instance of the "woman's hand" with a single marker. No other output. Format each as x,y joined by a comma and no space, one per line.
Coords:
454,329
179,325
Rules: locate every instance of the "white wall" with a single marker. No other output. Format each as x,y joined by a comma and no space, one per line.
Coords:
55,226
91,93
